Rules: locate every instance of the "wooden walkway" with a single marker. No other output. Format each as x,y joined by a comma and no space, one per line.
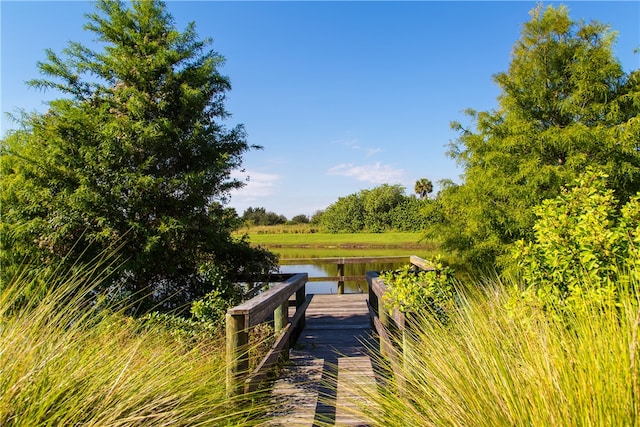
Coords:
330,372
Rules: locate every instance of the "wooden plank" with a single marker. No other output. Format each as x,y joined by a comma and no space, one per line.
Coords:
419,262
300,313
378,286
261,371
330,365
356,383
236,353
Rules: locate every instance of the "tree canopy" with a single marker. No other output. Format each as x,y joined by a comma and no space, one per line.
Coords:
260,216
423,187
135,153
382,208
566,104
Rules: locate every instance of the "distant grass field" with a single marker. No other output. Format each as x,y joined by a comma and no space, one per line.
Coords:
370,240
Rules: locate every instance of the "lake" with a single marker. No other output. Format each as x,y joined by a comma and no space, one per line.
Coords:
288,264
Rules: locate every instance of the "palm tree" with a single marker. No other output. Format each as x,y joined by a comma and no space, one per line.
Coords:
423,187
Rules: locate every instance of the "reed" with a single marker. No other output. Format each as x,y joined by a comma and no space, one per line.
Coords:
67,361
488,368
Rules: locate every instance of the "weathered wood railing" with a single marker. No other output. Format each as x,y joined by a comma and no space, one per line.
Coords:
272,303
391,328
340,263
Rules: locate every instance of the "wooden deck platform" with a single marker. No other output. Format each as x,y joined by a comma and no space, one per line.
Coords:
330,372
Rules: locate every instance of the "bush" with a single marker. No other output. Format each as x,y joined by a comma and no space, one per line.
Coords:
414,291
585,249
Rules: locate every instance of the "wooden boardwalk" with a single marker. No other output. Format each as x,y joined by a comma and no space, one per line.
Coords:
330,372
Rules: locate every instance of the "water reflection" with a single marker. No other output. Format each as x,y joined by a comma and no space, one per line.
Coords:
325,270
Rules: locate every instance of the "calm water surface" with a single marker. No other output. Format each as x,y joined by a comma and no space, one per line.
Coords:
323,270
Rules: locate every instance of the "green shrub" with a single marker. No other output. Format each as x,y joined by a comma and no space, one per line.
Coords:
585,249
413,291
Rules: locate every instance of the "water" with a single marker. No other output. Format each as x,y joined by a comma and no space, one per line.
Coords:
317,271
323,270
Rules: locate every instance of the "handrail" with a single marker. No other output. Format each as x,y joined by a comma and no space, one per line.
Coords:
274,303
389,326
239,319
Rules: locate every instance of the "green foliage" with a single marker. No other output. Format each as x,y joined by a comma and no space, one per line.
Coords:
423,187
346,215
289,228
259,216
585,251
183,331
566,104
300,219
136,153
211,308
378,203
382,208
415,291
411,214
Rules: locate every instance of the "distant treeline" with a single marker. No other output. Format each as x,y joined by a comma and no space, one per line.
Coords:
383,208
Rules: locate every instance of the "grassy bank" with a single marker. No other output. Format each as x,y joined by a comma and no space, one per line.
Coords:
371,240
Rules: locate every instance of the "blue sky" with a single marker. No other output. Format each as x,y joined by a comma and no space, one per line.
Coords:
343,96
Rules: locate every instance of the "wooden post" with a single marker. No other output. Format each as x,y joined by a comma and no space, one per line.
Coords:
383,315
280,321
301,297
373,302
341,276
237,354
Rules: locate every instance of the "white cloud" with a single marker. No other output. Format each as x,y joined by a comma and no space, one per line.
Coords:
375,173
258,185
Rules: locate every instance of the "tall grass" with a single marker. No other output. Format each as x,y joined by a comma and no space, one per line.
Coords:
487,367
64,362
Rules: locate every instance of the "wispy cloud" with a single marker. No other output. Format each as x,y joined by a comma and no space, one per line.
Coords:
259,185
376,173
355,145
373,151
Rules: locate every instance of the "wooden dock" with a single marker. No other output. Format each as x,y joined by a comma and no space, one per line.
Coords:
330,371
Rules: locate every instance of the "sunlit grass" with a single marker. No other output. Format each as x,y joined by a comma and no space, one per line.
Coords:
487,368
62,362
390,239
279,229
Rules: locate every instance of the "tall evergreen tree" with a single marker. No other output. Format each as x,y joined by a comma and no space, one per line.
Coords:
566,104
136,152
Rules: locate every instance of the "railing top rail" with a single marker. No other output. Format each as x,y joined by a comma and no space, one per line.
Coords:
422,263
258,308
